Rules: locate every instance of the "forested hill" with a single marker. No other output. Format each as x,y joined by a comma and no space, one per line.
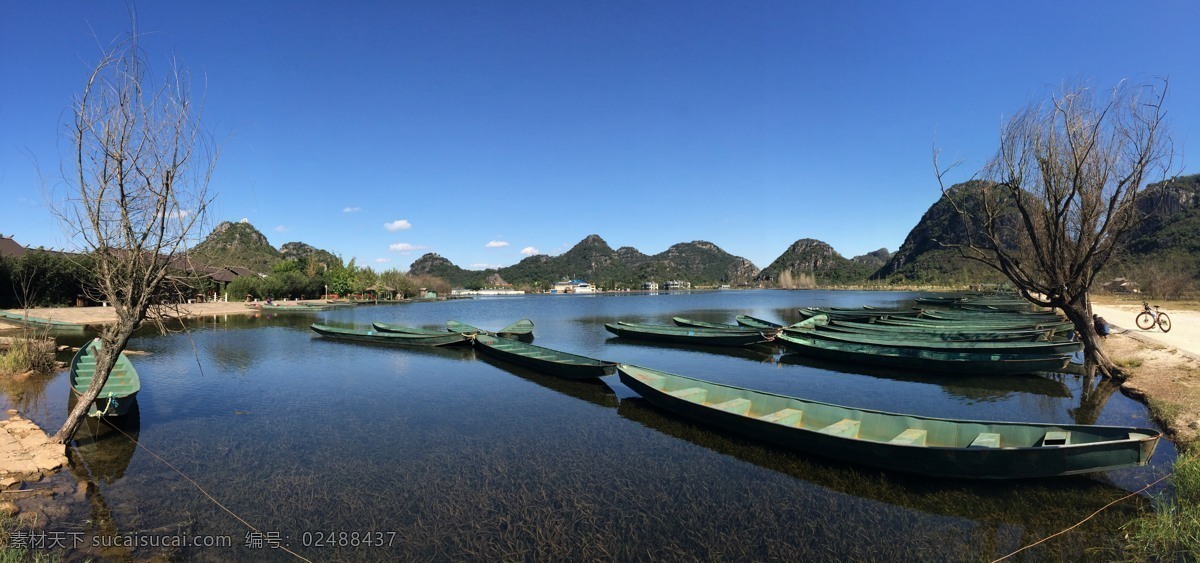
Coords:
592,259
1167,236
809,262
241,245
922,258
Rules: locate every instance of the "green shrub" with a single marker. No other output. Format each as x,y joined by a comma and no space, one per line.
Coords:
26,354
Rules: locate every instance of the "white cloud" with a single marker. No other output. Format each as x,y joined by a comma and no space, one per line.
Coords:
404,247
382,260
530,251
398,225
483,266
281,228
177,214
496,244
351,209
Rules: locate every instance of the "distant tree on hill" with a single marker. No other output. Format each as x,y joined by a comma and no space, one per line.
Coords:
137,174
1061,192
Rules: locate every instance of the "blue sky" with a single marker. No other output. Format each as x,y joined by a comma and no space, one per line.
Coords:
485,130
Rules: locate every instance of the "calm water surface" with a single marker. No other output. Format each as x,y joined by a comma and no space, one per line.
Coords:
444,455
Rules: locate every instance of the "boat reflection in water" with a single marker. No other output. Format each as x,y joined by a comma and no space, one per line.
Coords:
592,390
99,454
103,446
1003,515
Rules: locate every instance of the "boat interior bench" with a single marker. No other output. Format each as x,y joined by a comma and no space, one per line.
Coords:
845,428
911,437
736,406
986,440
1055,438
786,417
693,394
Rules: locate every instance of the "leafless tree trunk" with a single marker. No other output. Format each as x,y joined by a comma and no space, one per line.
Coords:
138,174
1061,192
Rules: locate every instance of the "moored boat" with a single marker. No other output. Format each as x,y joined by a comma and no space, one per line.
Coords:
919,333
389,338
752,322
922,359
966,449
120,390
554,362
295,308
388,327
520,330
1062,347
686,335
769,331
1055,326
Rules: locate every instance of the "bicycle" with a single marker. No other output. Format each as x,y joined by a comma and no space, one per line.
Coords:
1148,318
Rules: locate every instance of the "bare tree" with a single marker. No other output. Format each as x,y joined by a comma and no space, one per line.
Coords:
138,175
1054,203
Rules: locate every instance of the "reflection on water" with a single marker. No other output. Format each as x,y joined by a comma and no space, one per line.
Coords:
463,459
102,448
592,390
1006,515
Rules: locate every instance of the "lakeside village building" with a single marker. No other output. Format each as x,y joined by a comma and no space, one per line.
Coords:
572,286
566,287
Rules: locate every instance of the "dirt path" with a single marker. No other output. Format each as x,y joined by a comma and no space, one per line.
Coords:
1185,326
1163,369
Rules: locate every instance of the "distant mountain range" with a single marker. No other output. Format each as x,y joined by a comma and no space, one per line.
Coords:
592,259
1170,232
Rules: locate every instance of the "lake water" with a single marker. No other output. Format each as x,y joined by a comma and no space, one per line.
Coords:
440,455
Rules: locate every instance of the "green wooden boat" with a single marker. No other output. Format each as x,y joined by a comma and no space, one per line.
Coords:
752,322
907,341
973,314
388,338
1057,327
680,321
948,334
921,359
119,392
386,327
297,308
938,447
553,362
520,330
686,335
21,318
858,314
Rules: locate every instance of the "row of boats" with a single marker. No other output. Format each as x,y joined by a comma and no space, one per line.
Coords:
944,341
987,340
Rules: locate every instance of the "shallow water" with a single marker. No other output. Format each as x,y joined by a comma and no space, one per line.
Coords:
438,454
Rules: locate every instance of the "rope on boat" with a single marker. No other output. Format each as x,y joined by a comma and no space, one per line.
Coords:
1090,516
202,490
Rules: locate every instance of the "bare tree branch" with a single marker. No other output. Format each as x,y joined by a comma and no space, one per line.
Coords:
1061,192
139,172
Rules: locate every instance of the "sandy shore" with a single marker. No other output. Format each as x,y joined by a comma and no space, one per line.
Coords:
1163,369
105,315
